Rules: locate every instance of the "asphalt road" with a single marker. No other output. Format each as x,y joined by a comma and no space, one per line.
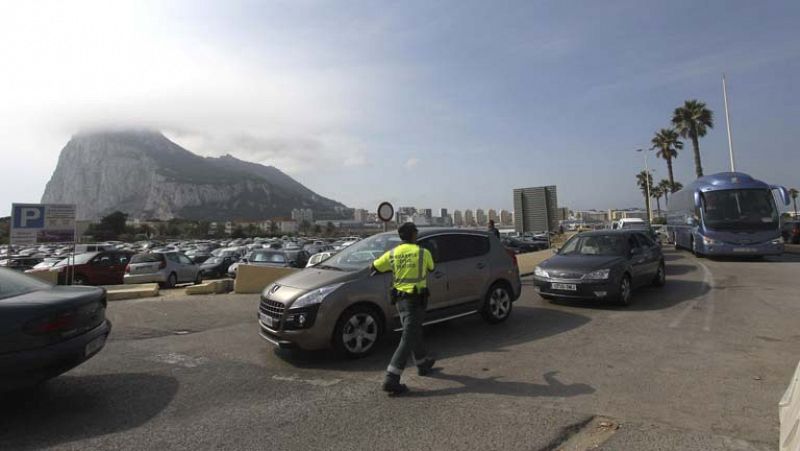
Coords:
698,365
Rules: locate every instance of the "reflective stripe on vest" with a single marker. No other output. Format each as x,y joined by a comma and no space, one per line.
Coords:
420,269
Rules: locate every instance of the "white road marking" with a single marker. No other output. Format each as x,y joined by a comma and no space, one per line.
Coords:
708,297
183,360
314,382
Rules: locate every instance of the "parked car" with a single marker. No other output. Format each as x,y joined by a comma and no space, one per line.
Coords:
521,247
319,258
47,330
601,265
21,263
474,274
274,258
790,231
217,266
92,268
165,268
45,264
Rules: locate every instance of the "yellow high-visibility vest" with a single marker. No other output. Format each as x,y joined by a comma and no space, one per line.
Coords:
410,265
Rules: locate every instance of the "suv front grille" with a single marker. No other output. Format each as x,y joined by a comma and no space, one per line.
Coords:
272,308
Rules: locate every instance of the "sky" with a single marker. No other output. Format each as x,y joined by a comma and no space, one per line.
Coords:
437,104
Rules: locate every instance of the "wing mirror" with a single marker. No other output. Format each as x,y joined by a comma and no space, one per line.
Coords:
637,251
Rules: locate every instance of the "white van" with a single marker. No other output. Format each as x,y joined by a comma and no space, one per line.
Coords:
630,223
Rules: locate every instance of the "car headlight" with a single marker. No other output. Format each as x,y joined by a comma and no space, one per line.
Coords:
777,241
539,272
600,274
315,296
709,241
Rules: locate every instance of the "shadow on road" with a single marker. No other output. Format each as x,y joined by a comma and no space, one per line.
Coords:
454,338
71,408
492,386
675,292
673,269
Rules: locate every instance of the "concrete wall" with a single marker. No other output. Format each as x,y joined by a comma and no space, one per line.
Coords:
789,413
529,261
46,276
253,279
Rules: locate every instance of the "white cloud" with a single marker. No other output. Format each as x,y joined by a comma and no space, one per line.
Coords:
411,163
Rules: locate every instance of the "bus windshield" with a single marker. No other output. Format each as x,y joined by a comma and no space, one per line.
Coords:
742,209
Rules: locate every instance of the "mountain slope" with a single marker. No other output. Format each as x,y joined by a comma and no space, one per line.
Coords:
148,176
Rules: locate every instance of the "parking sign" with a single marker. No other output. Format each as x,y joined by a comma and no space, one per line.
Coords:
42,223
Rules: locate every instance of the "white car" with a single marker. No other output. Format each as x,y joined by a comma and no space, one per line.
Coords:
317,258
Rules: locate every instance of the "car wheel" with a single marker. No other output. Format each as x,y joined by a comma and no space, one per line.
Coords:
172,280
661,276
357,332
199,279
624,291
497,305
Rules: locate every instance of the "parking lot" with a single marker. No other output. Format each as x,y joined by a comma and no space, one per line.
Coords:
700,365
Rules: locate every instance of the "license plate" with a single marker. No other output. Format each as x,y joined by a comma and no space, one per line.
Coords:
743,249
94,345
565,286
267,320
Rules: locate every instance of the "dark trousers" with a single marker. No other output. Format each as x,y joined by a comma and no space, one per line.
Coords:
412,315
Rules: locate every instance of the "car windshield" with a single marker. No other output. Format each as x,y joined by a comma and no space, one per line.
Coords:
214,261
267,257
361,254
740,209
635,226
147,258
608,245
13,283
80,259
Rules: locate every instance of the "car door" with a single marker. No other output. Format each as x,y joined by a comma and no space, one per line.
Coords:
116,270
437,280
467,260
102,269
187,268
638,260
651,252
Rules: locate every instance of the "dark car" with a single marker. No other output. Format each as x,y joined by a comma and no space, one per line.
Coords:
521,247
217,266
46,330
21,263
93,268
790,231
601,265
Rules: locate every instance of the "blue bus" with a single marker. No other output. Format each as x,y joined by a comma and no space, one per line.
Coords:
726,214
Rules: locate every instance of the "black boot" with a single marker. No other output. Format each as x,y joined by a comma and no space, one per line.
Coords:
426,367
393,386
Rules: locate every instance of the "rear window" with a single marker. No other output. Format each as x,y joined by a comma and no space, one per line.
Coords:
13,283
147,258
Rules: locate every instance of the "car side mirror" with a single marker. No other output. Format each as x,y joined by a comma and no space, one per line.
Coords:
637,251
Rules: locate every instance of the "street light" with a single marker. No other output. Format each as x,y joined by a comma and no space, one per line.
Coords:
647,185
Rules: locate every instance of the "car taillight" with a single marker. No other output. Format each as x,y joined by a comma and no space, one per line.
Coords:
513,257
53,323
127,269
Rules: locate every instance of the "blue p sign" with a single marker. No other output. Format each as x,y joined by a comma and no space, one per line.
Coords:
28,216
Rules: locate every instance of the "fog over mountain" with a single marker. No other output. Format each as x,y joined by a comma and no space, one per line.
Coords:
144,174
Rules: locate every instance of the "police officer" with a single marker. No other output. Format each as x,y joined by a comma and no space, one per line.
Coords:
410,265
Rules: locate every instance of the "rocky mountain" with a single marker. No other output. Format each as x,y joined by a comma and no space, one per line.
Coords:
146,175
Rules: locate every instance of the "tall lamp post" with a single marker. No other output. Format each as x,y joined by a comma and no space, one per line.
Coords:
647,186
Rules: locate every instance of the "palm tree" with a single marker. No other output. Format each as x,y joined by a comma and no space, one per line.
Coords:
666,188
645,181
667,142
692,120
677,186
794,192
657,193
